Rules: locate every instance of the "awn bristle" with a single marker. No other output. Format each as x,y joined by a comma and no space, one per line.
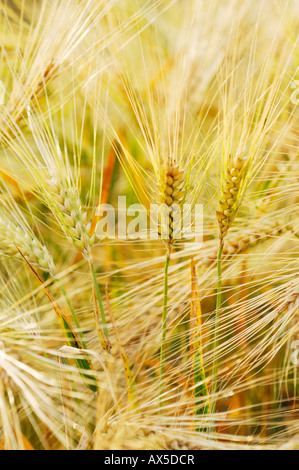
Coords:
239,242
20,100
291,300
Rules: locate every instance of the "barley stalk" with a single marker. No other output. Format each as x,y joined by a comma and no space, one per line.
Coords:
230,195
218,305
73,313
130,378
164,328
197,365
103,334
74,223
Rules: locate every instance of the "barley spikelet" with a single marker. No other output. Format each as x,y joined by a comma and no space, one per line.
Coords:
72,217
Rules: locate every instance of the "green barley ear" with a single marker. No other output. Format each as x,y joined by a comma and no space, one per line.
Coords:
71,215
13,237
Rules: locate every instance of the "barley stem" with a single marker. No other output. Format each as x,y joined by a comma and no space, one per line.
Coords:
99,298
198,376
218,304
164,316
74,316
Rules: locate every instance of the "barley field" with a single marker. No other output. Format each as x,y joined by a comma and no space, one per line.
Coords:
149,224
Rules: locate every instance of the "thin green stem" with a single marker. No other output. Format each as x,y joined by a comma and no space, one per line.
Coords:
163,340
216,340
74,316
99,298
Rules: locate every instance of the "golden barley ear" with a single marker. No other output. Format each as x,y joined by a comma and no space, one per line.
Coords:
172,193
230,195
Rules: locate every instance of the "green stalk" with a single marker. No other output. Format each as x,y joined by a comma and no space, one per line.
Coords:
82,363
99,298
164,316
218,305
74,316
199,384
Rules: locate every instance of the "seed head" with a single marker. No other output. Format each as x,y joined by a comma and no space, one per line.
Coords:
229,195
13,237
171,194
73,218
